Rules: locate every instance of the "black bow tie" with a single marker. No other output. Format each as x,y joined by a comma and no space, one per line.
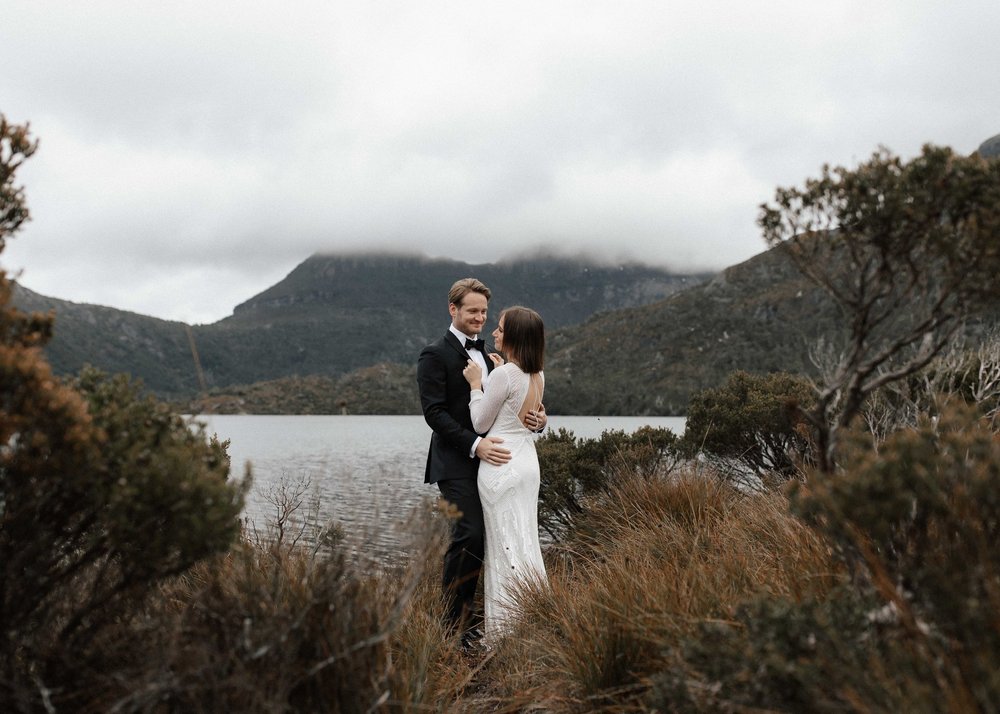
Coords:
475,344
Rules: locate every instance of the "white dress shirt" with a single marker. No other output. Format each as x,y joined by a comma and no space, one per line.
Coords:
479,358
475,355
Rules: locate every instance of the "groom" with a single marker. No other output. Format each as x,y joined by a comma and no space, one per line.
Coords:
456,450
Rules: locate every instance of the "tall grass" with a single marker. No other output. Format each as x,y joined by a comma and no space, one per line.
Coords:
671,592
275,625
279,625
652,560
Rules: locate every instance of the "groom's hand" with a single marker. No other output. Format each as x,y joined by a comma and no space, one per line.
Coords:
536,420
489,451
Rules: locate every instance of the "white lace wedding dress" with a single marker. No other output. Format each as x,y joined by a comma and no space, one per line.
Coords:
509,494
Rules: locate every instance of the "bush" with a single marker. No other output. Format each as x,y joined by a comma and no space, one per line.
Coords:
920,521
103,495
106,494
970,374
278,625
780,654
914,629
574,468
753,420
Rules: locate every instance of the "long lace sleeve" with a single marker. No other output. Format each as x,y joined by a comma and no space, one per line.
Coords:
484,407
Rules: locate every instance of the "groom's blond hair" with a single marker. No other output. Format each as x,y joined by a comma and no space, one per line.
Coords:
463,287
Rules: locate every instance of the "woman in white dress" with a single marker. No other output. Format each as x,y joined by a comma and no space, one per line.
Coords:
509,492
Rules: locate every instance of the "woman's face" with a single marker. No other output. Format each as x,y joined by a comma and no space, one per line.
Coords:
498,336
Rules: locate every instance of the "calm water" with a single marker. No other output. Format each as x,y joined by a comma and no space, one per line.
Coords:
364,472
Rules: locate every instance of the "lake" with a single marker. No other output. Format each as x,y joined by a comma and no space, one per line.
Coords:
364,472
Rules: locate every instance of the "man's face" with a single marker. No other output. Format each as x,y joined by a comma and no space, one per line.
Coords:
469,317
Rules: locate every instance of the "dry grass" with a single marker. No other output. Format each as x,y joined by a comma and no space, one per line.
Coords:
273,626
660,557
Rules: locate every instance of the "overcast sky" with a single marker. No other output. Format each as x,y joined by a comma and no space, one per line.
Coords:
194,152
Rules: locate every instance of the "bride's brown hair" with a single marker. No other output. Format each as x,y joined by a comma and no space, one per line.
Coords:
524,338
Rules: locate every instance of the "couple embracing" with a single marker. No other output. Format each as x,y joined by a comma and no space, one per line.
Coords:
484,407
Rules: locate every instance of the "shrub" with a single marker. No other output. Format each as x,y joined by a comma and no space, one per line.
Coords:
970,374
103,494
914,629
574,468
106,494
920,520
780,654
277,624
753,420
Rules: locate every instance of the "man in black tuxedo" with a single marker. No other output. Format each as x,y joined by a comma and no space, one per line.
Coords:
456,449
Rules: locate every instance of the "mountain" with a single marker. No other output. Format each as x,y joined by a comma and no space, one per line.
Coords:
990,149
157,350
759,316
333,315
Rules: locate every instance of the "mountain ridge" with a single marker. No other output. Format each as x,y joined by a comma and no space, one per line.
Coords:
330,316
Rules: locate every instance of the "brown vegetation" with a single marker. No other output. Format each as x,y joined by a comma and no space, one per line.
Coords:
871,587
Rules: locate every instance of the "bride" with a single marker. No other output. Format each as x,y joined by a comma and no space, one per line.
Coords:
509,492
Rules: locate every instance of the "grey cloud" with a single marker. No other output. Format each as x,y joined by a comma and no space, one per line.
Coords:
212,145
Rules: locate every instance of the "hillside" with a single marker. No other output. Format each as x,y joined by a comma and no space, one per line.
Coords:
379,389
760,316
331,316
158,351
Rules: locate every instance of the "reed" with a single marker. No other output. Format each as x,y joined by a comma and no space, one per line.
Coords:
276,625
671,592
651,561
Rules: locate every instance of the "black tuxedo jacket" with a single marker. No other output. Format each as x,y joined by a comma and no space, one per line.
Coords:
444,398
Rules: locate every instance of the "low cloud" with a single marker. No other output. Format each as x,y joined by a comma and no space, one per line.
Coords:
194,152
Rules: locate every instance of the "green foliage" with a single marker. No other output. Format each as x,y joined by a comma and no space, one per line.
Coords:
907,250
103,494
918,520
16,145
753,419
380,389
573,469
778,654
923,513
106,494
915,628
166,498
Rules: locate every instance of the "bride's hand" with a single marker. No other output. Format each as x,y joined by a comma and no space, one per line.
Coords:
497,359
473,374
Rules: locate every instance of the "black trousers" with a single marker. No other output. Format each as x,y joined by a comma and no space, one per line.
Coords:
464,559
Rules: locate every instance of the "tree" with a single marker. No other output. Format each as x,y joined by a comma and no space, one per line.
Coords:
103,494
907,251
